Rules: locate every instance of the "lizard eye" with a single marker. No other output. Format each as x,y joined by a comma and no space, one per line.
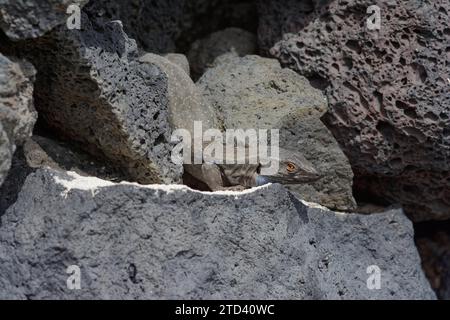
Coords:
290,167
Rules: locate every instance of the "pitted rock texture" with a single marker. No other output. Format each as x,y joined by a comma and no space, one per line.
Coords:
154,242
204,51
388,92
93,90
17,114
257,93
162,26
24,19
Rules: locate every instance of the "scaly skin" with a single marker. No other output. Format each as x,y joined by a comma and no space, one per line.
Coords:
293,169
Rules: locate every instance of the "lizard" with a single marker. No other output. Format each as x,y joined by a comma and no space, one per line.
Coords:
293,168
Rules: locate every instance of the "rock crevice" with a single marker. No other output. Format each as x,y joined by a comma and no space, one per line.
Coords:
257,245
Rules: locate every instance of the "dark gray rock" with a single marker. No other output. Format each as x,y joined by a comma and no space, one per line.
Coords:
186,104
42,152
388,93
257,93
26,19
162,26
433,244
135,242
233,41
14,180
17,114
277,18
92,89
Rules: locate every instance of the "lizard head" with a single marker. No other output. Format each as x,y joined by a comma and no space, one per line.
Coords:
293,168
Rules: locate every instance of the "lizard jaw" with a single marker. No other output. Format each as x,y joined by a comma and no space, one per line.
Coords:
305,178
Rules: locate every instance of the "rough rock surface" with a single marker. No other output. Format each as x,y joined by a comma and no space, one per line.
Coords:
180,60
134,242
92,89
43,152
185,102
17,114
6,154
162,26
25,19
389,95
14,180
255,92
277,18
204,51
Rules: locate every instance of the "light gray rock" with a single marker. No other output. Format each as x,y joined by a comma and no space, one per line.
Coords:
255,92
180,60
24,19
186,104
204,52
159,242
93,90
17,114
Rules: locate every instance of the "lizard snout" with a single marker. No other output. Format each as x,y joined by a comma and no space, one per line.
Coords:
308,174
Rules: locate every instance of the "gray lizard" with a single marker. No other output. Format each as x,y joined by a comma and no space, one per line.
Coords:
293,168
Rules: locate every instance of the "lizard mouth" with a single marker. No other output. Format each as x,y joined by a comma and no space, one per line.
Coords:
309,176
296,179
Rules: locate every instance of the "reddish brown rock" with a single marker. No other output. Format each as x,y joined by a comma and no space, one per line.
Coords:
388,92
